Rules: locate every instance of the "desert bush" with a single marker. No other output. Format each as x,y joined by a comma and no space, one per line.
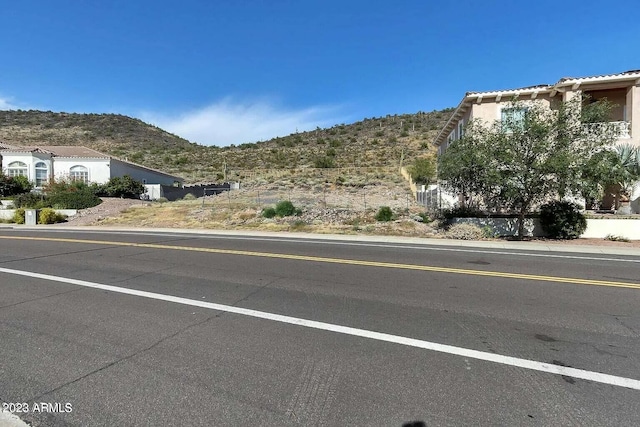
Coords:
71,195
298,225
562,220
30,201
18,216
616,238
465,231
324,162
123,186
50,216
189,196
247,214
424,217
384,214
10,186
268,212
286,208
162,200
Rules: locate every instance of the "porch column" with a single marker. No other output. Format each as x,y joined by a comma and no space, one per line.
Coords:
633,113
570,94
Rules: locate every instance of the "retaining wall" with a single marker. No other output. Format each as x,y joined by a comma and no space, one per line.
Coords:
596,228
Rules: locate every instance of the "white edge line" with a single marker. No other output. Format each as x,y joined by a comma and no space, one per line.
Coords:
379,336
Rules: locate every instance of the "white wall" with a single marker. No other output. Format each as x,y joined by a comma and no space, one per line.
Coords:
98,168
153,191
30,159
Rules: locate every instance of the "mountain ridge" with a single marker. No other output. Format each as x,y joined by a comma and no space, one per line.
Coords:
371,142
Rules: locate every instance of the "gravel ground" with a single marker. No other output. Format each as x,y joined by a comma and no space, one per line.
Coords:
110,207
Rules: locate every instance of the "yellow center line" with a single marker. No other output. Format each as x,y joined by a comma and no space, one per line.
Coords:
449,270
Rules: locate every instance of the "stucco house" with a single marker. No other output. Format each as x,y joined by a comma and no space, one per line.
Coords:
43,163
622,90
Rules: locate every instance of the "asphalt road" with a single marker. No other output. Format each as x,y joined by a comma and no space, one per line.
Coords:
175,329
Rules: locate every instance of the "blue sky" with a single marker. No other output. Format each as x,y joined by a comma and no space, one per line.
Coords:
222,72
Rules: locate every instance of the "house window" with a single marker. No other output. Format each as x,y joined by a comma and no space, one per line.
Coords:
42,174
79,173
513,118
460,129
17,169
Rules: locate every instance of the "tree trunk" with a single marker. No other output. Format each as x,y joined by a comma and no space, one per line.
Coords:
521,225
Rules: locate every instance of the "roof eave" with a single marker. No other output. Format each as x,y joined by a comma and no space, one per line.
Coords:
446,130
631,77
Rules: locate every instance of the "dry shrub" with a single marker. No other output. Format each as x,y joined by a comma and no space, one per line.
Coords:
465,231
247,214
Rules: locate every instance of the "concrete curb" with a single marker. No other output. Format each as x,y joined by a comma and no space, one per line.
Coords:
488,244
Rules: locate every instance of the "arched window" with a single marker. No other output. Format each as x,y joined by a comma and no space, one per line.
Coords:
42,174
17,169
79,173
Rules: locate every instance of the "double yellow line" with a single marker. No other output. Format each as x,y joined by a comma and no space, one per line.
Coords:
448,270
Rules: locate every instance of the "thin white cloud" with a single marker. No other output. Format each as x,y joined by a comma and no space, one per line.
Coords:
225,122
6,104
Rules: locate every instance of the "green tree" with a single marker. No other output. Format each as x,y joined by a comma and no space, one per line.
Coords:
423,170
124,186
463,168
532,155
10,186
23,185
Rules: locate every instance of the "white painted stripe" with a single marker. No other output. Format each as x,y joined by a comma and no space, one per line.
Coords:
427,345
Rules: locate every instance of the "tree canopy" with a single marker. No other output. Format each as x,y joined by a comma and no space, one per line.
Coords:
124,186
533,154
423,170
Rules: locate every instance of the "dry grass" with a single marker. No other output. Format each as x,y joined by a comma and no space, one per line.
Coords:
348,207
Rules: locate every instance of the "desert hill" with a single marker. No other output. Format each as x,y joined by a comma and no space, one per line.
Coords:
369,143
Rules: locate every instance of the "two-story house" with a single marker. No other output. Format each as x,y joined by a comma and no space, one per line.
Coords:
622,90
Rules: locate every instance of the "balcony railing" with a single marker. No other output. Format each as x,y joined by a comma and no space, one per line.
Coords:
622,128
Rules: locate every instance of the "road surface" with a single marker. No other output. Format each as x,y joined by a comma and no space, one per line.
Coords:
106,328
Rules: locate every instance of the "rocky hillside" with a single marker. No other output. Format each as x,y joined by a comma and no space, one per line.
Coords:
372,142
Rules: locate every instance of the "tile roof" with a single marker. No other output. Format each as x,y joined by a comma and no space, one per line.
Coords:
630,74
527,89
5,146
22,148
56,150
72,151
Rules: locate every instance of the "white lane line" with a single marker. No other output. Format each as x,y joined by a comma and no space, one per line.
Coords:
379,336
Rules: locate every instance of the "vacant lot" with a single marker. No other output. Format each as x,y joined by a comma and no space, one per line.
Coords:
328,205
